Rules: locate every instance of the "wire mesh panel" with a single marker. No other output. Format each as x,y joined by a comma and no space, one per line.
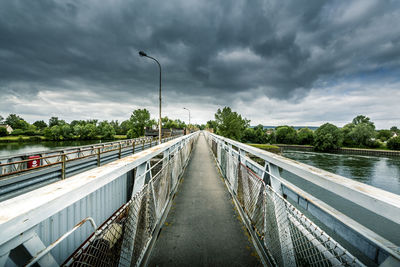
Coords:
125,237
290,238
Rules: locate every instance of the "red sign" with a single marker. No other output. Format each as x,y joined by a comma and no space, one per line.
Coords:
33,163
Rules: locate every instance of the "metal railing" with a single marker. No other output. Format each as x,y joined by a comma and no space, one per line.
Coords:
124,238
286,222
38,221
17,177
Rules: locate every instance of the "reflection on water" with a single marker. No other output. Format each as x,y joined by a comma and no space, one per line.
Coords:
381,172
7,149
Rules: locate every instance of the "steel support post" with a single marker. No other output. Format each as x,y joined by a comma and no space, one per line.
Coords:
119,150
63,160
98,157
287,248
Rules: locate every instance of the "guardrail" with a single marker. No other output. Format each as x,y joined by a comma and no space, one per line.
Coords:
130,195
290,226
16,177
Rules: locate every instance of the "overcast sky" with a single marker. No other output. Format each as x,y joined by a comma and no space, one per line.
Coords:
300,62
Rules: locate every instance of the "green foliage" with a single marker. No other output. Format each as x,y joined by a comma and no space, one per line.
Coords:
327,137
86,132
286,135
139,120
16,122
211,124
270,148
125,126
106,130
395,129
255,135
305,136
384,135
130,134
1,119
3,131
394,143
230,124
361,119
362,134
40,124
172,124
347,138
54,121
17,132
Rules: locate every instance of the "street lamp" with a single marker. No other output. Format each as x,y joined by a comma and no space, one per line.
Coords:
189,113
189,116
143,54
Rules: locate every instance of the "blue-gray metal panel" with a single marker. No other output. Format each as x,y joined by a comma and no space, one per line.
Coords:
99,205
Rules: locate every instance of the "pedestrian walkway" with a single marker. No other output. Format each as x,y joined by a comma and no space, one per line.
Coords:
202,227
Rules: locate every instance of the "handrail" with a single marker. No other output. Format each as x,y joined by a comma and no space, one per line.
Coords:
42,253
100,150
378,201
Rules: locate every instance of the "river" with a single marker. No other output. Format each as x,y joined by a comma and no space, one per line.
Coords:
7,149
381,172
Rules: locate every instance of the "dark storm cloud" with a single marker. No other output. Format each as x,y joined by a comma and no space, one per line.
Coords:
206,47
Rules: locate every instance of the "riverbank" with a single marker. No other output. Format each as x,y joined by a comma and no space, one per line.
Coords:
40,138
345,150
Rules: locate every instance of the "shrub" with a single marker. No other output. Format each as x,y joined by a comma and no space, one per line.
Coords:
394,143
3,131
17,132
328,137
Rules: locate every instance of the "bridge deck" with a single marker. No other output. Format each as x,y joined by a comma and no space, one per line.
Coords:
202,227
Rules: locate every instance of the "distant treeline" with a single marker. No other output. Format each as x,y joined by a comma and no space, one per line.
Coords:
359,133
58,129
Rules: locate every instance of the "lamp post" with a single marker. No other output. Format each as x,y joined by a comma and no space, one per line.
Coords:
189,115
143,54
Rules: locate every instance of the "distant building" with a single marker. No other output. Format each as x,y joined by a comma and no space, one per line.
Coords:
8,128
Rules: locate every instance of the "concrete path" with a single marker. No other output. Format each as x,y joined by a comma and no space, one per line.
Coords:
202,227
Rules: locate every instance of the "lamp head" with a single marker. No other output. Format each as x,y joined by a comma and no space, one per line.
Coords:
142,54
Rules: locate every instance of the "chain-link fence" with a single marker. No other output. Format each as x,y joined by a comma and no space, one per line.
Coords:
125,237
290,238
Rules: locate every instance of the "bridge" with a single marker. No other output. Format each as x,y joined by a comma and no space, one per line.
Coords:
204,200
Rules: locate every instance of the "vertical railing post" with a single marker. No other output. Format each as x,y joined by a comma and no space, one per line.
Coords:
283,223
143,144
63,157
98,156
133,147
119,151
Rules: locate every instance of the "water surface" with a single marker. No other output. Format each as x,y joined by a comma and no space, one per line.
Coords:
7,149
381,172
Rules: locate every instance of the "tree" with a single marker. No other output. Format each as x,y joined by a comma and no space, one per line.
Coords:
54,121
362,134
16,122
394,143
347,138
140,119
106,130
212,125
3,131
395,129
230,124
1,119
305,136
40,124
286,135
384,135
125,126
255,135
363,119
327,137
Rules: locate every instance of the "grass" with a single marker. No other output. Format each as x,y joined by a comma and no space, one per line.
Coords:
270,148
